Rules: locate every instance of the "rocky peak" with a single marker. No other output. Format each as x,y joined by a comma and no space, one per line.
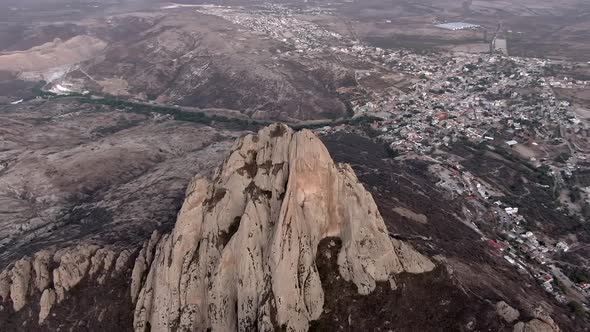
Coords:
242,255
282,238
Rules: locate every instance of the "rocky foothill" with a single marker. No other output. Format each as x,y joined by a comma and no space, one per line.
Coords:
244,254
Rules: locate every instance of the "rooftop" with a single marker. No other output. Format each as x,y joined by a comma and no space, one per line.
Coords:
457,25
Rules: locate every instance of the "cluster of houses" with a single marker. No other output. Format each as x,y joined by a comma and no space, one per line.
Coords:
438,101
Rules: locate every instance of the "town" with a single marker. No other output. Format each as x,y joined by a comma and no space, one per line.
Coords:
423,105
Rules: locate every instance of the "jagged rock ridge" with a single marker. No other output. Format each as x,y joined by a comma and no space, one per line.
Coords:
40,282
249,251
242,253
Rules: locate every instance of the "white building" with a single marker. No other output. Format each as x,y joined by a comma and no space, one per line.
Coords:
562,246
511,210
511,143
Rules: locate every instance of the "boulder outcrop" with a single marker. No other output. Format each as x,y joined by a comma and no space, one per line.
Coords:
48,276
508,313
541,322
242,253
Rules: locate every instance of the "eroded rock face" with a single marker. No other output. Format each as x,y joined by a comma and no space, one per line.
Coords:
242,253
49,276
48,299
42,265
19,288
